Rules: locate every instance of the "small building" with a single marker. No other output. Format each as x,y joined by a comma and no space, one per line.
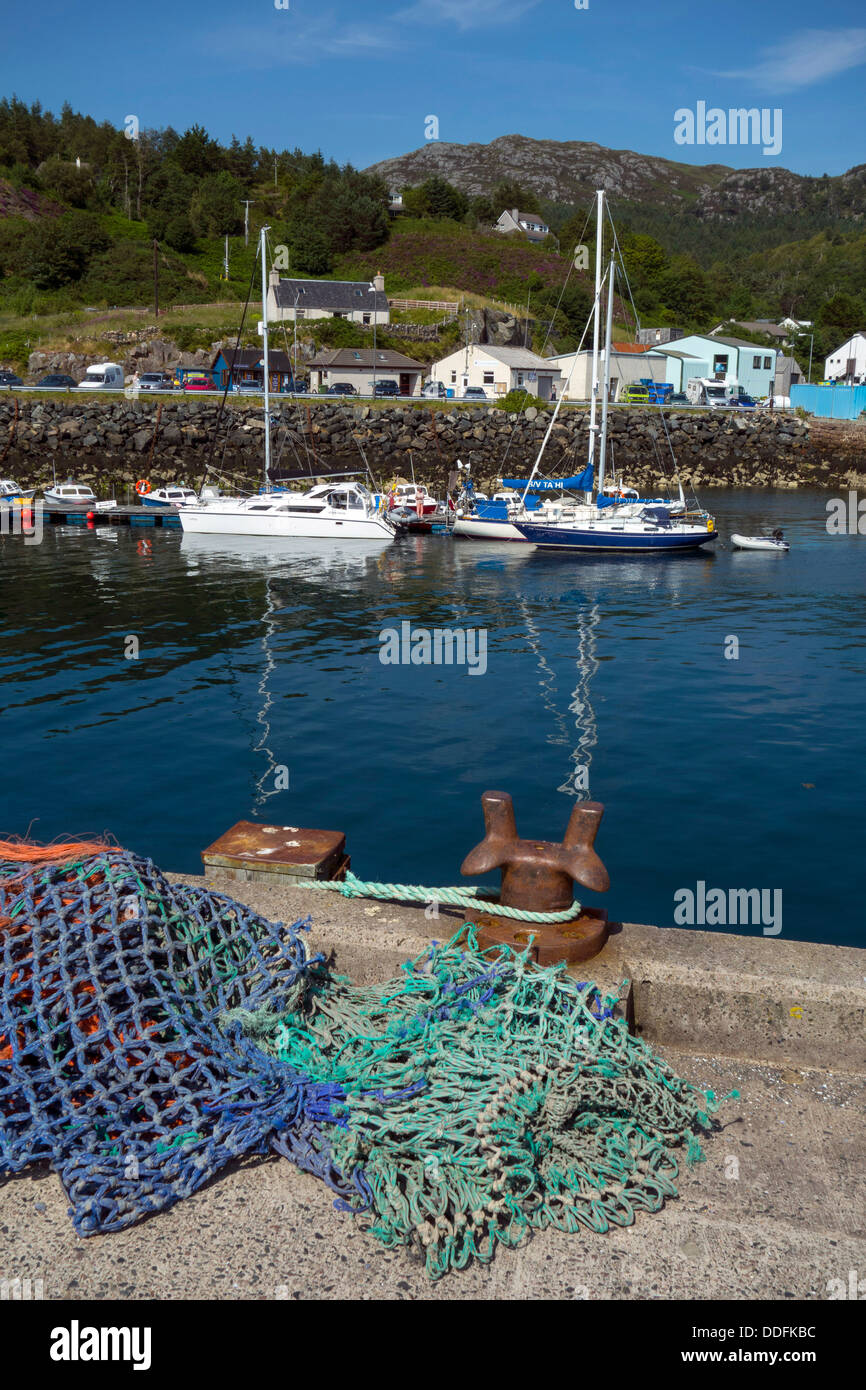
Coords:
498,370
848,363
364,367
732,360
788,374
767,326
395,202
531,224
795,326
359,301
239,366
244,367
654,336
630,363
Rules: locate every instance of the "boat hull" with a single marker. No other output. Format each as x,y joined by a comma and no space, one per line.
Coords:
758,543
478,529
209,521
596,541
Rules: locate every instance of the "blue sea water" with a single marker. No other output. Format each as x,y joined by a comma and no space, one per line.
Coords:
258,664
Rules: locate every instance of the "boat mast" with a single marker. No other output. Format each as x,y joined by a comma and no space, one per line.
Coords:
596,325
607,337
265,230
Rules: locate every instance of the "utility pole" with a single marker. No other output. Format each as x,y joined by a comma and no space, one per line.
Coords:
155,278
246,202
226,262
275,171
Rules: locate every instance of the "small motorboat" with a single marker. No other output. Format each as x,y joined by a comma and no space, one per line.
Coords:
776,541
74,496
12,494
171,496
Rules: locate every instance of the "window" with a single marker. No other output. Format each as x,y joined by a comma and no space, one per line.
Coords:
720,364
520,378
366,318
488,378
301,313
756,363
453,378
768,362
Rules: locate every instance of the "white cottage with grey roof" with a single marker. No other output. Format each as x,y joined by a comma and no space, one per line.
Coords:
359,301
497,370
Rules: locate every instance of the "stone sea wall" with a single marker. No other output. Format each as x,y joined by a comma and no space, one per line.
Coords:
111,442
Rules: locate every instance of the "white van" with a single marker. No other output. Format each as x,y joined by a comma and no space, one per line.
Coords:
102,376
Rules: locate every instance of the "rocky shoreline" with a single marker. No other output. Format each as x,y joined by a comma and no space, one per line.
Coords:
110,443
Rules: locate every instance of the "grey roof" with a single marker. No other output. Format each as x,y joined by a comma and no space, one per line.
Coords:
240,357
335,295
760,326
674,352
359,358
514,356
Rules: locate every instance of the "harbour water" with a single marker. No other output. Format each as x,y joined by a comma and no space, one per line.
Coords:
257,691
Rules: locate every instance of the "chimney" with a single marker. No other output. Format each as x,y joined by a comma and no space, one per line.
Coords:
379,282
515,214
273,278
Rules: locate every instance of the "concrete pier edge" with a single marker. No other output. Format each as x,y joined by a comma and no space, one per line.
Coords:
791,1003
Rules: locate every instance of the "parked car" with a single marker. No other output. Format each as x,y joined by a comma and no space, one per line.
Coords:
475,393
10,379
57,381
298,388
155,381
386,388
434,389
745,401
197,381
679,398
634,395
342,388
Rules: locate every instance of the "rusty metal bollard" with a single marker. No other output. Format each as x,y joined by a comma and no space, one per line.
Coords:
539,876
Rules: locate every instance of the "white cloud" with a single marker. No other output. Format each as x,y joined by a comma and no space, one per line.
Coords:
805,58
282,37
467,14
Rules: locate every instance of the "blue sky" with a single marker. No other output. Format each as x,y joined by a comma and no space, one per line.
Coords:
358,81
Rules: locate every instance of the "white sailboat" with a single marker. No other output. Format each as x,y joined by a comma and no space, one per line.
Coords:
343,511
599,528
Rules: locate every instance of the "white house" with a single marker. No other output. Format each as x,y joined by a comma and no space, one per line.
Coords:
360,301
531,224
497,370
364,370
626,368
848,363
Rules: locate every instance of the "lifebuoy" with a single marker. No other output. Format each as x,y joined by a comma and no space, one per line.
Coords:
142,487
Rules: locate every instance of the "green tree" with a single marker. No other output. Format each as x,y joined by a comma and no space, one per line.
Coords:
508,193
57,253
215,209
180,233
309,250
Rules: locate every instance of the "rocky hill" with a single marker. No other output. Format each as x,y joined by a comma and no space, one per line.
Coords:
567,172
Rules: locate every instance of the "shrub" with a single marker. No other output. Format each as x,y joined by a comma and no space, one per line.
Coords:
519,400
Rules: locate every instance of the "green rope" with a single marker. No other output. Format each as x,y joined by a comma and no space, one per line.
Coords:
352,887
486,1098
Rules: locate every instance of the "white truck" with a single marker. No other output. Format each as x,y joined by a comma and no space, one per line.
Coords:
102,376
706,390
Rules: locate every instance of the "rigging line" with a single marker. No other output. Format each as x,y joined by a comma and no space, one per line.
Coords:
235,352
550,328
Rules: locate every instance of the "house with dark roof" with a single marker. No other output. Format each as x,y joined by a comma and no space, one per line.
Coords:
359,301
362,368
497,370
245,367
531,224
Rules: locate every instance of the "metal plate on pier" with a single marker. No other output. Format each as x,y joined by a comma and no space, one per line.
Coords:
253,851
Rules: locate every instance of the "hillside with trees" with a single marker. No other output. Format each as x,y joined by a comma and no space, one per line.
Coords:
81,206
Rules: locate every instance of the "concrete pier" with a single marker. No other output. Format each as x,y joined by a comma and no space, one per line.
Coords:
778,1210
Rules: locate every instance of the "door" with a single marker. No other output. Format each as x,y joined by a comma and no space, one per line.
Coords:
405,384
